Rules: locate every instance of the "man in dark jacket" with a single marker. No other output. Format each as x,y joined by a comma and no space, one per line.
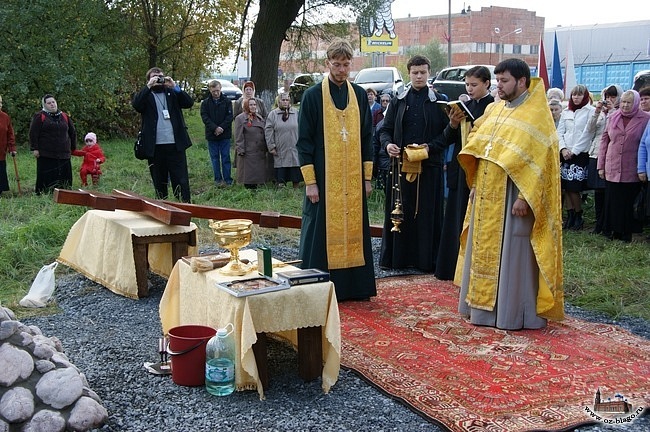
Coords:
216,113
164,134
414,123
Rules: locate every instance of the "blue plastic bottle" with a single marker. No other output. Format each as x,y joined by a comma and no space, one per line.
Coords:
220,362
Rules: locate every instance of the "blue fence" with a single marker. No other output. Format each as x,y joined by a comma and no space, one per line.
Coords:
597,76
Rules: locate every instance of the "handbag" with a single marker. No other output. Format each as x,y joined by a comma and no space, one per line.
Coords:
638,207
138,148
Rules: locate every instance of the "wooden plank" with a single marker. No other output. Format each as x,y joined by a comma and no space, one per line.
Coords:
82,197
159,210
310,353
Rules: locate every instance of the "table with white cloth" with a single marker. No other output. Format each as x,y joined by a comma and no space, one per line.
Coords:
118,248
301,314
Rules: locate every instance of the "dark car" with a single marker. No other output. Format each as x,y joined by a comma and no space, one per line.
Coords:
641,79
301,83
451,81
228,89
384,80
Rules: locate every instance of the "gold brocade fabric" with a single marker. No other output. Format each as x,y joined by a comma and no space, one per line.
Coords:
343,181
412,161
521,144
308,174
194,298
367,170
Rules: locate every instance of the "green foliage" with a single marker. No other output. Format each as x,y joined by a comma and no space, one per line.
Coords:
433,51
75,50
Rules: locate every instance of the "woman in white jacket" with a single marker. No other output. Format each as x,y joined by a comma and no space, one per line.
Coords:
574,154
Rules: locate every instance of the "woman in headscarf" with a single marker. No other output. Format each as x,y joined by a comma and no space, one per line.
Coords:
573,153
52,138
606,106
250,146
281,138
617,165
249,93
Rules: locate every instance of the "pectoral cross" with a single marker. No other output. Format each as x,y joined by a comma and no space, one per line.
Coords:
488,148
344,134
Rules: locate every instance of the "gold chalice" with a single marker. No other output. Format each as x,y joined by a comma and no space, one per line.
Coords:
233,234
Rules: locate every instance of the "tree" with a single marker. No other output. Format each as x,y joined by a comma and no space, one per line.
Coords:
183,37
433,51
77,50
274,21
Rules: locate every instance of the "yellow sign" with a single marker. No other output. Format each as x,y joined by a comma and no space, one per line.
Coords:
383,44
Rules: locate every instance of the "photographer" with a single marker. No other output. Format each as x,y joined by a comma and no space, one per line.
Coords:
164,133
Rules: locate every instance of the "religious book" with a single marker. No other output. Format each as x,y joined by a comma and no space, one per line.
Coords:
253,286
304,276
446,106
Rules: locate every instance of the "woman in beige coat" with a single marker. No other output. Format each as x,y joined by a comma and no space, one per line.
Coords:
281,137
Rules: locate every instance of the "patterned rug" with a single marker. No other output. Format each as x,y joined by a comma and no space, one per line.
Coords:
411,343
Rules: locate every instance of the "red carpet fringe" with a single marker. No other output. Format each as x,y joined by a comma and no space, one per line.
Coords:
411,343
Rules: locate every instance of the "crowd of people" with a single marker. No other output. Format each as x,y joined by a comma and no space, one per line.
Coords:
604,153
479,196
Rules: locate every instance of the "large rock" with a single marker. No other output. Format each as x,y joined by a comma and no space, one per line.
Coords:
40,389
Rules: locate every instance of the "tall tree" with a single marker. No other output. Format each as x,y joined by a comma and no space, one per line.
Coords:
77,50
184,37
275,19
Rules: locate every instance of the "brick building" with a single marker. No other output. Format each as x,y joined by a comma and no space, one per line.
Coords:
474,39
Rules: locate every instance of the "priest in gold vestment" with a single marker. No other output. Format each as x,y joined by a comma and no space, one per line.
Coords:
335,153
510,261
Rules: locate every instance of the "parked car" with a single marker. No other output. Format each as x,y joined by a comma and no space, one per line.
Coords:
451,81
228,89
384,80
641,79
301,83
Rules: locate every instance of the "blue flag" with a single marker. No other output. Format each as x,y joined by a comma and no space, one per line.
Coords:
556,72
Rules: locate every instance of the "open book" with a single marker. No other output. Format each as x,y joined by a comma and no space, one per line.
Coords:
460,104
252,286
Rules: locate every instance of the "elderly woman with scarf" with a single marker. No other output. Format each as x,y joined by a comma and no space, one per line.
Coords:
52,138
573,153
249,93
617,165
281,137
250,146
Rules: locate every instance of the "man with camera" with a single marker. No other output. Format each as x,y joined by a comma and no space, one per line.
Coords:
164,134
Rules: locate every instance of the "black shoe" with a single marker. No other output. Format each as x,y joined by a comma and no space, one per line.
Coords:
570,220
578,222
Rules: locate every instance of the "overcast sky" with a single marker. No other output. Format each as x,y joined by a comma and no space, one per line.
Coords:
556,12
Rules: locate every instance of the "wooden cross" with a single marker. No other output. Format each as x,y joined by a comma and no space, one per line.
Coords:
176,213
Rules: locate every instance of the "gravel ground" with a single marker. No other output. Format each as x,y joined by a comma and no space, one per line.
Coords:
109,337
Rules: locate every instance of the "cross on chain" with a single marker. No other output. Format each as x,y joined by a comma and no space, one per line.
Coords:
344,134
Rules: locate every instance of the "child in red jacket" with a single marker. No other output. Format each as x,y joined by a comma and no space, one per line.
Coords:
93,158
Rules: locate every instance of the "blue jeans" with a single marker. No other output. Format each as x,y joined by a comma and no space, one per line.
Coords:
220,157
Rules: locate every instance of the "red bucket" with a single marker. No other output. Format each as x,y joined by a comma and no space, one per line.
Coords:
187,350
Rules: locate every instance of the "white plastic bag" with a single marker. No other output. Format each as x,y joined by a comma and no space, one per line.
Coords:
42,288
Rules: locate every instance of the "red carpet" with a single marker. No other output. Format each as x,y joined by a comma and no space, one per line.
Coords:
410,342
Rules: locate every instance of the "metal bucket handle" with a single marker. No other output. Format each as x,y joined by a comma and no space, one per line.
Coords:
177,353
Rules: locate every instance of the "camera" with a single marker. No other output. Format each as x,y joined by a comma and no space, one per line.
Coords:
160,80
